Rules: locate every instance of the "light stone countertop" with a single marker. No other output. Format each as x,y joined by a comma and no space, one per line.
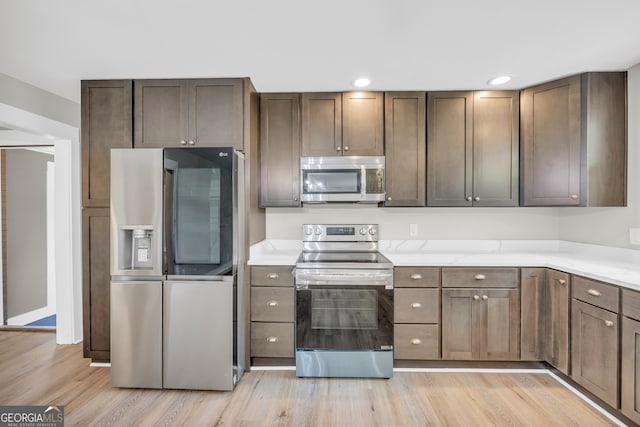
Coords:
608,264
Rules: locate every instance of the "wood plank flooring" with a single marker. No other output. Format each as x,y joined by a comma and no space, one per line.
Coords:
35,371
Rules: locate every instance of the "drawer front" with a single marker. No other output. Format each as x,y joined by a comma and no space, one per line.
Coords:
476,277
272,304
597,293
272,339
272,276
416,277
416,305
631,304
421,342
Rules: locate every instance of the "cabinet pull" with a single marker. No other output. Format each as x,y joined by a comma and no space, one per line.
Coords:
346,148
272,276
338,148
484,297
594,293
272,303
562,282
416,305
416,341
476,297
469,199
183,142
295,199
389,198
477,199
272,339
574,197
416,276
608,323
479,277
192,142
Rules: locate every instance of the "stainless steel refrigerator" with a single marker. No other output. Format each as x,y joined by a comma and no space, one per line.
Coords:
177,312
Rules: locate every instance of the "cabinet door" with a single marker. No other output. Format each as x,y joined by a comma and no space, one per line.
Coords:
279,149
532,332
499,331
106,124
405,148
551,143
362,124
449,148
161,111
557,348
459,314
630,379
215,113
95,283
321,124
594,350
495,148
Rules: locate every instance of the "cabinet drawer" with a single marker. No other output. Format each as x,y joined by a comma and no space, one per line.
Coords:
596,293
272,339
272,304
475,277
416,305
420,342
272,276
415,277
631,304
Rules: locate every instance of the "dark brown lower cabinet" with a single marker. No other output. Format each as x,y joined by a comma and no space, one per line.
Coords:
480,324
557,320
95,283
630,378
532,318
594,350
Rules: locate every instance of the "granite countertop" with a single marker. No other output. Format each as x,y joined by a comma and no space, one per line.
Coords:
612,265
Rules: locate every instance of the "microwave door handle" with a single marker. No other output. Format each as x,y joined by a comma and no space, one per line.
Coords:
363,181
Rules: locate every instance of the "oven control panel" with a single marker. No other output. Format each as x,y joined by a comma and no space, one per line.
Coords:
340,233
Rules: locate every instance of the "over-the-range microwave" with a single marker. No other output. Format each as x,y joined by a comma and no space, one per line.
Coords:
347,179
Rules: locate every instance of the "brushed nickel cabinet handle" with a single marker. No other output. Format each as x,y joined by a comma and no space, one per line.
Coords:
272,303
469,199
484,297
295,199
476,297
183,142
272,339
479,277
594,293
562,282
272,276
389,198
192,142
574,197
416,276
338,148
608,323
416,305
416,341
346,148
477,199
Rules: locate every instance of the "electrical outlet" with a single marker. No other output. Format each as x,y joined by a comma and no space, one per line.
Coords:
413,230
634,236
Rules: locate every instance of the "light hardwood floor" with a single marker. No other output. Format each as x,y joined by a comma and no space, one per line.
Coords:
35,371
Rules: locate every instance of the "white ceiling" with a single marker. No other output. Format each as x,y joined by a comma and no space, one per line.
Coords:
298,45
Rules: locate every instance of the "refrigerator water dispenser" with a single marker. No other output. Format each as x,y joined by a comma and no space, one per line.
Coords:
136,243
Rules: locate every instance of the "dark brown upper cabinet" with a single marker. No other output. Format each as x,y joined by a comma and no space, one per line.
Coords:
472,148
198,113
405,148
337,124
279,149
574,141
106,123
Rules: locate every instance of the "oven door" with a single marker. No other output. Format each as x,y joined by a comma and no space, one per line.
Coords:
344,316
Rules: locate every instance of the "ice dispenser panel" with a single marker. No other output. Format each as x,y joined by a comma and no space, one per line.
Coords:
136,247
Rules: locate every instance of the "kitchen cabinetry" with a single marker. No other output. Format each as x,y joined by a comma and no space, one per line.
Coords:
272,312
279,149
200,113
630,372
532,319
557,321
416,313
472,148
594,338
480,314
405,148
336,124
574,141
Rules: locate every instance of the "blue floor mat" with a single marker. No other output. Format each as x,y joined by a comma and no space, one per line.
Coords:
47,321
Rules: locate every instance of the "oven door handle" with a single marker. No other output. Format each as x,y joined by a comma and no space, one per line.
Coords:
303,281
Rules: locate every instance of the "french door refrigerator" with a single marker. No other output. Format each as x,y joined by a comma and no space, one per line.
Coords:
177,312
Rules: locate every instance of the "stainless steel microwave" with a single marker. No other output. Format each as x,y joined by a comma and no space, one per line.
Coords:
347,179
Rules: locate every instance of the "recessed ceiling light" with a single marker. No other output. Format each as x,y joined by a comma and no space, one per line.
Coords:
362,82
500,80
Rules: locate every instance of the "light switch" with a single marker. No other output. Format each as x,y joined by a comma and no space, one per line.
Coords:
413,230
634,236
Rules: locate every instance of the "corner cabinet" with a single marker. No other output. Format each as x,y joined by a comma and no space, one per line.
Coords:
472,148
279,149
198,113
405,148
574,141
557,321
532,318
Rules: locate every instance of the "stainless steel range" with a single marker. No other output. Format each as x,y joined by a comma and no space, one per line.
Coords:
344,303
